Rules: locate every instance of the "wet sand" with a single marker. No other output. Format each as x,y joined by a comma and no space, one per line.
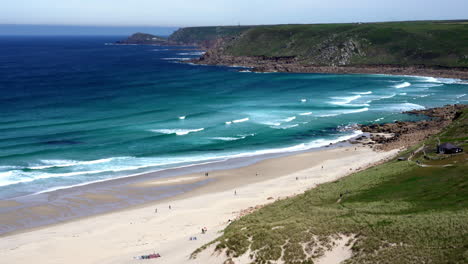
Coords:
32,211
203,201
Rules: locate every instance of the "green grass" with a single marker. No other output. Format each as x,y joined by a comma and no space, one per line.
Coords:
399,212
200,35
431,43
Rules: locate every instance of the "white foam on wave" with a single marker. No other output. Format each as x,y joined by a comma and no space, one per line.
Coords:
177,131
237,121
241,120
195,53
225,138
428,85
384,97
345,112
404,107
460,96
363,93
289,119
402,85
180,59
344,100
245,71
285,127
305,114
328,115
402,94
378,119
125,163
441,80
303,100
8,167
160,49
357,110
181,117
272,123
18,176
66,163
233,138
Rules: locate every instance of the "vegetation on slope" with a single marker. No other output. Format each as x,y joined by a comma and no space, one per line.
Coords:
205,36
398,211
143,38
430,43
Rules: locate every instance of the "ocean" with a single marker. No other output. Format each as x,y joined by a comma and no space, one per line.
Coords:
76,110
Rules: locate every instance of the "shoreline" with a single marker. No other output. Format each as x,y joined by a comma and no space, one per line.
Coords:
290,65
209,205
97,198
165,226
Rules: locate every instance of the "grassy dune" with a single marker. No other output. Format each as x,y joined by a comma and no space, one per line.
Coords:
398,211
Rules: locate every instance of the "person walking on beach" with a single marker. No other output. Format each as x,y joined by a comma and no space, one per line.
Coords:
156,210
170,207
235,192
206,174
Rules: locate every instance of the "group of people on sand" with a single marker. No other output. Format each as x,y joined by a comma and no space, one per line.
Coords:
150,256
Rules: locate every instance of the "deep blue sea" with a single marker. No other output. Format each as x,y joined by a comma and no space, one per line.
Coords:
74,110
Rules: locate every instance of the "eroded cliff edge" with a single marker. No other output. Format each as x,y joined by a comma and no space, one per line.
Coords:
428,48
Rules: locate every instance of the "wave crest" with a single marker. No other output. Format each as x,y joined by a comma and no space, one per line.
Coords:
402,85
179,132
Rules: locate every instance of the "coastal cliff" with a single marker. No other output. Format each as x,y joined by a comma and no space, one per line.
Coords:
433,48
143,39
206,37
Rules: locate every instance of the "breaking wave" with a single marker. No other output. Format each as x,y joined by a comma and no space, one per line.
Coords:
195,53
179,132
179,59
404,107
237,121
402,85
66,163
289,119
368,92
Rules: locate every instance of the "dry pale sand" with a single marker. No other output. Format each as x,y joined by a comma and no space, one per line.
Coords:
119,237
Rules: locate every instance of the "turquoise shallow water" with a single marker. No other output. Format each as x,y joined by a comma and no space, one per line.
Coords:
74,110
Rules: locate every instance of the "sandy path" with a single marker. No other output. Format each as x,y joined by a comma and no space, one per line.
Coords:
118,237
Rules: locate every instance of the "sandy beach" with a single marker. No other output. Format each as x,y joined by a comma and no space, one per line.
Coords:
166,226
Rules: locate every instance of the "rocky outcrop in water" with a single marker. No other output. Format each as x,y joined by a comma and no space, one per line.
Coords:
403,134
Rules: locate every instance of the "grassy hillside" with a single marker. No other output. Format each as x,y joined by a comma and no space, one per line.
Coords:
432,43
202,35
399,212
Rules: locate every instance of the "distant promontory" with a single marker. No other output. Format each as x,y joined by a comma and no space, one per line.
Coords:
143,39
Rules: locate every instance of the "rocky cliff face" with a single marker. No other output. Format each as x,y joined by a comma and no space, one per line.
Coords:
330,52
333,52
404,134
412,48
